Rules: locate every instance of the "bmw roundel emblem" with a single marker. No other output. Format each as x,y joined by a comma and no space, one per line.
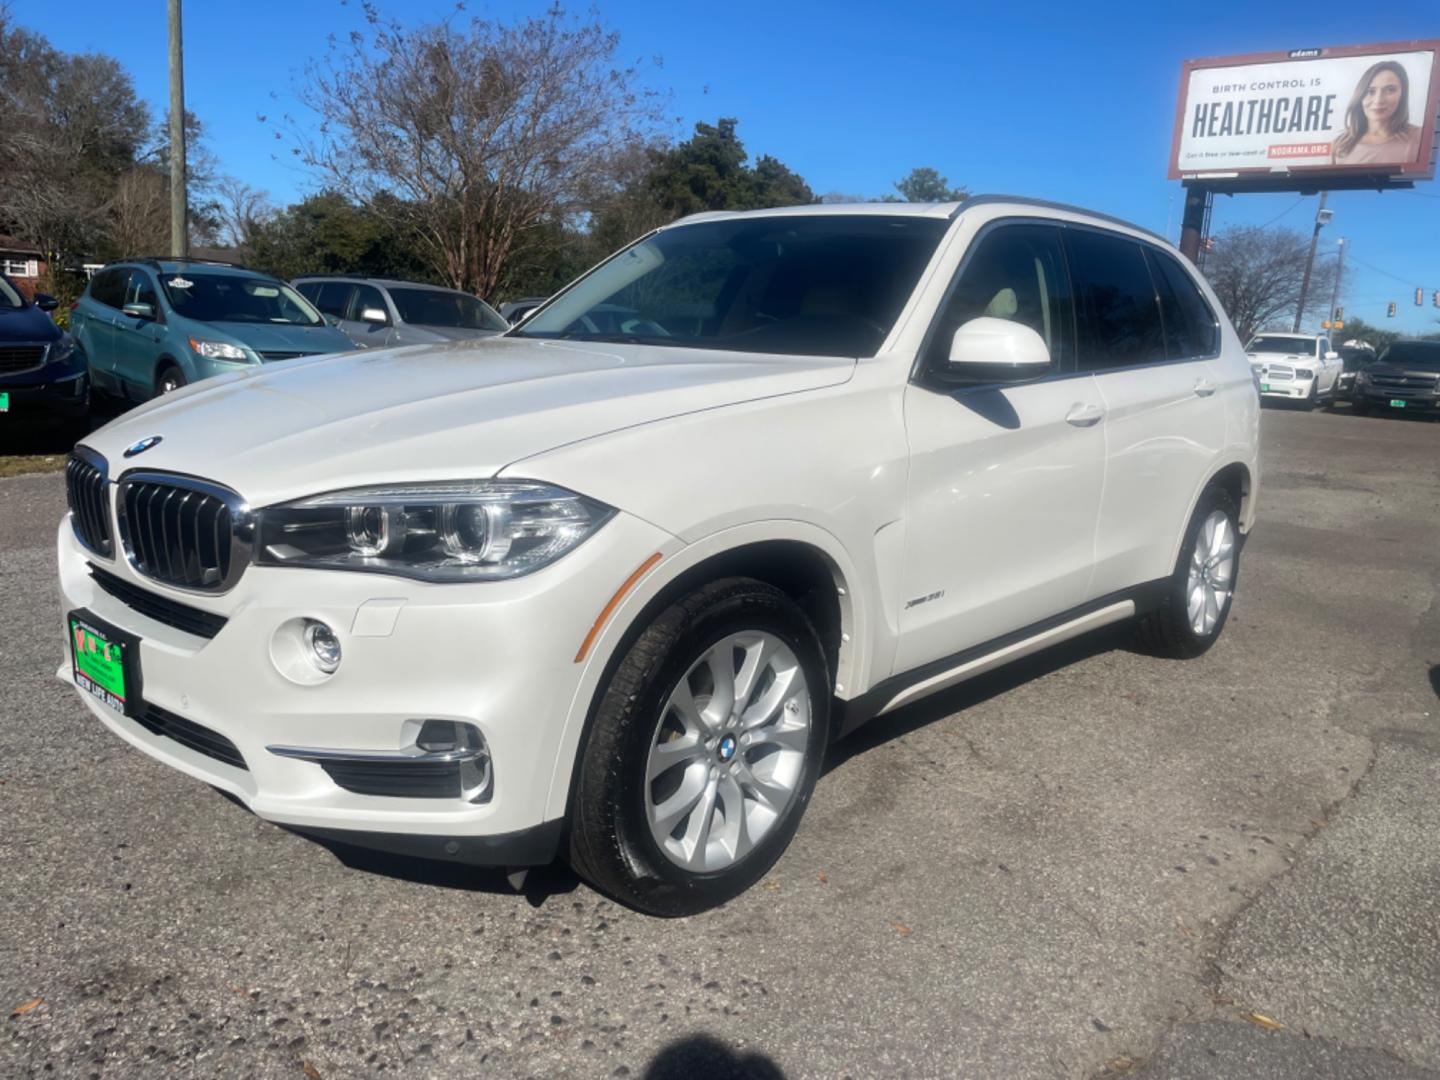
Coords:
143,445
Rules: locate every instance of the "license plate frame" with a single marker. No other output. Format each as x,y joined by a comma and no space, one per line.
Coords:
105,674
1397,403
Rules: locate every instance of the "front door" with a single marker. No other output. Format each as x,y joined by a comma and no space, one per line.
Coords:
1005,478
137,340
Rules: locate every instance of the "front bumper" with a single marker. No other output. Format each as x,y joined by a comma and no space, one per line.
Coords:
1293,390
1379,397
496,655
61,394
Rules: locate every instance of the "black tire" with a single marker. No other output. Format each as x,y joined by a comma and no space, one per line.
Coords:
1313,398
610,840
1166,630
168,379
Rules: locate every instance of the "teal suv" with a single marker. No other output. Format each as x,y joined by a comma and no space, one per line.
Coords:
149,326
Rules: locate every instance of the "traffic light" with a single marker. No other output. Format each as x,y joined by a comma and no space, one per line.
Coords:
1339,315
1391,312
1419,296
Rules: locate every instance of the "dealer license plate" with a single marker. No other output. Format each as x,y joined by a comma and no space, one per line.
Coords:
1264,387
4,402
104,665
1397,403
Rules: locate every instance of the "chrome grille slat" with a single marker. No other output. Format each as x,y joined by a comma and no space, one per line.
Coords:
87,494
182,532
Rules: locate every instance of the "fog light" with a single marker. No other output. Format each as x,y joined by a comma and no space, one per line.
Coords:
324,646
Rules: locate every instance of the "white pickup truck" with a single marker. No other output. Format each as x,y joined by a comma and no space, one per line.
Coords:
1295,367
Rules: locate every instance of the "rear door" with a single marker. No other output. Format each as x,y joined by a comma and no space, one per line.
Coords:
94,324
1005,477
1150,339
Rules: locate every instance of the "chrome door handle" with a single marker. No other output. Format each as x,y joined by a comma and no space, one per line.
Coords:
1084,415
1204,387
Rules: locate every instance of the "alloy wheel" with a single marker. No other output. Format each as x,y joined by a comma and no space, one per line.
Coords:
728,752
1211,574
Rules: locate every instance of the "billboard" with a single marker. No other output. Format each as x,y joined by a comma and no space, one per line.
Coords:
1363,109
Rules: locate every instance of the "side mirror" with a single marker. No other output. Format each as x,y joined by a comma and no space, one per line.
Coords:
374,315
139,311
46,302
998,349
1332,356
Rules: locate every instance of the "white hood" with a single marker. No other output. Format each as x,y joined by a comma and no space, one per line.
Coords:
434,412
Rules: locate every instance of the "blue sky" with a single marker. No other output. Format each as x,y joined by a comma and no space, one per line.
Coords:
1061,101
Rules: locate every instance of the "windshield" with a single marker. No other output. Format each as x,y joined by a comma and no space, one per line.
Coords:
1281,344
9,295
1417,355
438,307
803,286
231,298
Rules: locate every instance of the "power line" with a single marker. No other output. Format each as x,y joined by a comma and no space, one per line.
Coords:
1282,213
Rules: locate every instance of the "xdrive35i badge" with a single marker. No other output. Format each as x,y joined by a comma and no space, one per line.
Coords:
143,445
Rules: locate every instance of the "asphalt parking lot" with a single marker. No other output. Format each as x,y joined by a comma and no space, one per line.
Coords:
1095,864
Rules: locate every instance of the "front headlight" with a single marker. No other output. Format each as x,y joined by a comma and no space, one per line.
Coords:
1304,373
61,351
1362,377
217,350
466,530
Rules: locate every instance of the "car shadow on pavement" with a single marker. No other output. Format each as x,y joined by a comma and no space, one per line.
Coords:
1435,679
976,691
704,1057
539,885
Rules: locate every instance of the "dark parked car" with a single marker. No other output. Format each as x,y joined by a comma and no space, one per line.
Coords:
1405,377
376,312
1354,355
42,373
515,310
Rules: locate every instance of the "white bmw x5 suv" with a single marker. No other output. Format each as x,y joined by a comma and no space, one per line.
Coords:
607,586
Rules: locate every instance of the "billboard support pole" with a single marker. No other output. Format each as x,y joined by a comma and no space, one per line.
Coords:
1310,261
1195,219
1339,273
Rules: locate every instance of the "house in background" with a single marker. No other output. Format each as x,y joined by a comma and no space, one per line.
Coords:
21,263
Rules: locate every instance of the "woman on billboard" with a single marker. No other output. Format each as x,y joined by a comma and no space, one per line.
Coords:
1377,120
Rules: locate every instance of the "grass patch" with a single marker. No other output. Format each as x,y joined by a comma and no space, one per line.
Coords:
19,464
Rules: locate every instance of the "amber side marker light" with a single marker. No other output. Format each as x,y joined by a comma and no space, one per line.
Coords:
609,608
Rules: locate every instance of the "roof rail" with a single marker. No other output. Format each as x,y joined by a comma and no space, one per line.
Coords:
156,260
983,200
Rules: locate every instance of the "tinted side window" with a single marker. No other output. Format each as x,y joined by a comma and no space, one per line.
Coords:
139,289
1115,300
1194,333
367,296
1017,272
331,297
108,288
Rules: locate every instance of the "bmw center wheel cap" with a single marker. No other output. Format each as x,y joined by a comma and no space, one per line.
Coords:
727,748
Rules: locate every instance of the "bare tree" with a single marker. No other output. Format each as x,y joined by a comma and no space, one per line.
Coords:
139,212
72,125
482,130
1257,273
242,210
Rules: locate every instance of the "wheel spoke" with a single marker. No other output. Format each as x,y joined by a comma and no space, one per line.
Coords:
786,737
1195,606
737,828
722,671
769,793
775,695
701,824
1220,535
667,755
757,658
668,814
692,719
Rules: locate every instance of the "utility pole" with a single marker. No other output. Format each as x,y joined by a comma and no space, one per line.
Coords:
1195,219
1339,273
179,233
1321,217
